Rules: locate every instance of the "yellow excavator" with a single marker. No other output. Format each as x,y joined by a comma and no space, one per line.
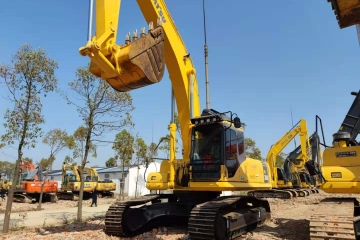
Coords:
70,187
340,170
5,184
282,186
213,142
296,159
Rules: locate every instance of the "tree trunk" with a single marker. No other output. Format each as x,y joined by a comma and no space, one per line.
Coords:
42,191
122,182
83,163
11,194
81,194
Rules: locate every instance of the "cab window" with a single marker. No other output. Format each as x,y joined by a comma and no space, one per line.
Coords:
231,152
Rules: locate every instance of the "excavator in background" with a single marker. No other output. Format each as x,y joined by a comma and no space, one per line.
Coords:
5,184
298,159
213,142
70,186
30,187
283,185
25,167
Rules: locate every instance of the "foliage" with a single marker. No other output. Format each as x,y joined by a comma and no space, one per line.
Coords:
102,110
178,130
79,138
111,162
124,150
280,159
124,147
27,159
57,140
30,75
251,150
46,163
7,167
165,145
152,151
141,150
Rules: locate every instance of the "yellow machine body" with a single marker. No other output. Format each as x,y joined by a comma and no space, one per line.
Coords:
341,169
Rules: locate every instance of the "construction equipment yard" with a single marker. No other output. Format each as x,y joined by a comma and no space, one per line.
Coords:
287,215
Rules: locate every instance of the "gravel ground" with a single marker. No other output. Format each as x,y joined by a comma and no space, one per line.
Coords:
288,221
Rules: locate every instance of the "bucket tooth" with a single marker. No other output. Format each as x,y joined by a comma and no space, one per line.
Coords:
151,26
135,35
143,33
127,39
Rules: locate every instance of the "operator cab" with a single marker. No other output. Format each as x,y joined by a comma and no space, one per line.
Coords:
216,140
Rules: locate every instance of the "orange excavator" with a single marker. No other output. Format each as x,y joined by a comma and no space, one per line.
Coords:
30,181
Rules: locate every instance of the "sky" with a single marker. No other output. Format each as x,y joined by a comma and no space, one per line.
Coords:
265,57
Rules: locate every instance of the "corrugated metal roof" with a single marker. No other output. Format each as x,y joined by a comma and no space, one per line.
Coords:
113,169
58,173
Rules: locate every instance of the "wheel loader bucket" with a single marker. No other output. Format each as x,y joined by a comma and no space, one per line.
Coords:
346,11
136,64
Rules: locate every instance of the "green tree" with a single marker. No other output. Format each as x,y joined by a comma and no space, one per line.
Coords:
124,150
141,152
102,110
152,151
165,145
7,168
111,162
79,138
178,130
280,159
30,75
28,159
57,140
45,163
251,150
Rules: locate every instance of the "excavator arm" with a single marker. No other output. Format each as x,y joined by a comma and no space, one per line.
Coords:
140,61
301,129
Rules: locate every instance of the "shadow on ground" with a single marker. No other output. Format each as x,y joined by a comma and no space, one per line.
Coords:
283,228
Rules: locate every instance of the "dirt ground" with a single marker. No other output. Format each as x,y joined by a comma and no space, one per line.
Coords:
25,207
288,221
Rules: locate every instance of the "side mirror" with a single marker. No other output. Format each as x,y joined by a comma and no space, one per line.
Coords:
237,122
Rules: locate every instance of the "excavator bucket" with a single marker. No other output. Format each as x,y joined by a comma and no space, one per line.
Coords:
347,12
137,63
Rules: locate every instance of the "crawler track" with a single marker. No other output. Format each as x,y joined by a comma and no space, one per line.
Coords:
227,217
208,220
113,217
333,219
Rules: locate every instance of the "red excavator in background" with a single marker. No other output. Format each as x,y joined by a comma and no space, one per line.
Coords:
30,181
